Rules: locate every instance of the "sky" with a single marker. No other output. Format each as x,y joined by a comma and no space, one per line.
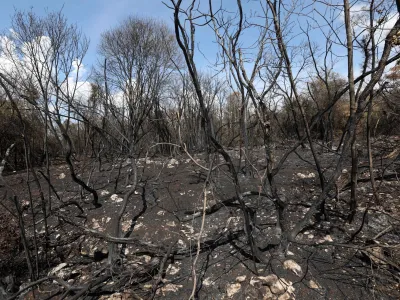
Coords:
92,16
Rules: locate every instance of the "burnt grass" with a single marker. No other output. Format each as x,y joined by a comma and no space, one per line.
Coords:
163,220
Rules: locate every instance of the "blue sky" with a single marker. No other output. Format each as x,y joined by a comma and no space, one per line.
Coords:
97,16
92,16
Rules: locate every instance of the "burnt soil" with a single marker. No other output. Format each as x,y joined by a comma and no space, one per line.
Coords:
338,260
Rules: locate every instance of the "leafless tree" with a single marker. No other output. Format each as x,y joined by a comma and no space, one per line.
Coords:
273,94
228,30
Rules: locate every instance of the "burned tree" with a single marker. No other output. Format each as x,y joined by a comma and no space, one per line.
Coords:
260,142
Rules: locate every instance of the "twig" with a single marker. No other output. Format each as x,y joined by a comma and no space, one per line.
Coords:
160,272
49,183
388,229
203,220
41,280
364,218
90,286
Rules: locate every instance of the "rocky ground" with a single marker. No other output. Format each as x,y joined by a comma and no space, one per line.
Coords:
162,226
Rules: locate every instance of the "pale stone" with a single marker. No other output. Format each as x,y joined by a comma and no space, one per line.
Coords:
303,176
189,227
182,243
126,225
269,280
138,225
146,258
241,278
57,269
281,286
115,198
314,285
232,289
96,224
268,294
207,282
278,287
171,224
104,193
171,288
254,281
293,266
25,203
172,270
173,161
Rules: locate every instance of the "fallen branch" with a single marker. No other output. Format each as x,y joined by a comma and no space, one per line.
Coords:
377,258
388,177
112,239
158,250
221,204
89,286
61,282
383,232
214,208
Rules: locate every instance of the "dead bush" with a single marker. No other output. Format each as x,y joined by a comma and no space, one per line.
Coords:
9,237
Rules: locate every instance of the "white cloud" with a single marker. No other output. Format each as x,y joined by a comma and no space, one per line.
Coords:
118,99
8,55
384,28
360,21
79,91
32,61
